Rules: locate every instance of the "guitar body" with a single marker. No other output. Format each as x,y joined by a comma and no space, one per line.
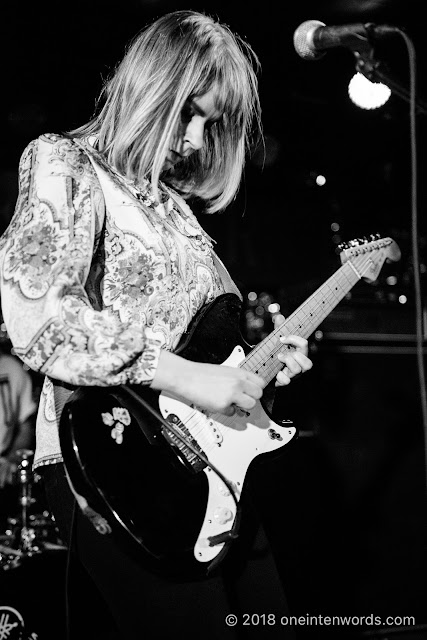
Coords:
177,511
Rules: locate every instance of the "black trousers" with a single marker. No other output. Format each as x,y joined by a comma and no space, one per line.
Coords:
112,594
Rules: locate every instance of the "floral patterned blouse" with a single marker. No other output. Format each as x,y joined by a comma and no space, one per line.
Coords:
96,276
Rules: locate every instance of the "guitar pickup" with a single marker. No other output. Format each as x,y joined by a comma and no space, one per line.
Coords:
186,455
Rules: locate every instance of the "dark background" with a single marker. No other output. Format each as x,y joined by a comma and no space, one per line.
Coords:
345,506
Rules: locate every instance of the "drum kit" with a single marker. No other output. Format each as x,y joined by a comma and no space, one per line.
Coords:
31,552
33,558
30,528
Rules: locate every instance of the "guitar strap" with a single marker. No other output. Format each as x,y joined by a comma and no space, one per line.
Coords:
227,282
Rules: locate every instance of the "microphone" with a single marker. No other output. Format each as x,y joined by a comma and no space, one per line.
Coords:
312,37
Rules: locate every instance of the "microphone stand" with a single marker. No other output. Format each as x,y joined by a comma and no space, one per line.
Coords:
369,67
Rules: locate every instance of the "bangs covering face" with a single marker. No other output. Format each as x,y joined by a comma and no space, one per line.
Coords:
217,166
233,96
229,103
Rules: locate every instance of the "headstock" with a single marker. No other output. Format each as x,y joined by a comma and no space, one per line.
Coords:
367,255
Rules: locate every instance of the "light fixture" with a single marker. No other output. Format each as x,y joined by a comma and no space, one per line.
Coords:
366,94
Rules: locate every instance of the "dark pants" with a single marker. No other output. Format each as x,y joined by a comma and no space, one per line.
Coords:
137,604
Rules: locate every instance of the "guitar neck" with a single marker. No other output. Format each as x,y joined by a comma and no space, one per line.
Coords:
302,322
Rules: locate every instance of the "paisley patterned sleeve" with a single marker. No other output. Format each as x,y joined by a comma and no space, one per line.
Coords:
45,256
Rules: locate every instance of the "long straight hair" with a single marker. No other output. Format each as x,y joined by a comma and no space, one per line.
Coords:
181,55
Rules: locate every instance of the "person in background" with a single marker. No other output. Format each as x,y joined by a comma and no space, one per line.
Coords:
18,409
105,265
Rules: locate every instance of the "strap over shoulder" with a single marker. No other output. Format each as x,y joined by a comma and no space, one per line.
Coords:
228,283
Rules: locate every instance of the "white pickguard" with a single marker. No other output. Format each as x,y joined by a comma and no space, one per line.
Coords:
230,444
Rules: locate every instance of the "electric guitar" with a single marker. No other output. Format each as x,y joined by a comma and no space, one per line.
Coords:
166,476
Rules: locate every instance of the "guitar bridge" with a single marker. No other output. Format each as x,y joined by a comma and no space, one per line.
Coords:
184,453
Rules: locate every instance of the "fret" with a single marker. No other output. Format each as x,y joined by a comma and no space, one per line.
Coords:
302,322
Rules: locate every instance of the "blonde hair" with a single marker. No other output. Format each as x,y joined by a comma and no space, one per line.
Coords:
182,54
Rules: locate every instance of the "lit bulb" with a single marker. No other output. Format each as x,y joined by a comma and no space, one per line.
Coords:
366,94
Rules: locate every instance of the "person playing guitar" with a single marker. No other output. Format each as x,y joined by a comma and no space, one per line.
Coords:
104,270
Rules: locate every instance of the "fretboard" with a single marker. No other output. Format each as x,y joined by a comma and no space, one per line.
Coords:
302,322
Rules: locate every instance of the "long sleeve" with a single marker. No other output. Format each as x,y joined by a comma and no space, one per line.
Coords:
46,254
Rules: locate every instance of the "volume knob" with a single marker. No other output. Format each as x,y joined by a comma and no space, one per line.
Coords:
223,515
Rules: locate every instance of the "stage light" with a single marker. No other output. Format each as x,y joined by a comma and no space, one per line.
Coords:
274,307
366,94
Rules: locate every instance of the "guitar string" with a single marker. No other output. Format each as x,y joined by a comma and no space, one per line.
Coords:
298,316
258,359
264,355
347,276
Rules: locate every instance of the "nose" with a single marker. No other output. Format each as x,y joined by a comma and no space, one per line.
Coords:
194,133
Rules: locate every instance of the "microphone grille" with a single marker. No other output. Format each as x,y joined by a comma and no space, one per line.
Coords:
303,40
